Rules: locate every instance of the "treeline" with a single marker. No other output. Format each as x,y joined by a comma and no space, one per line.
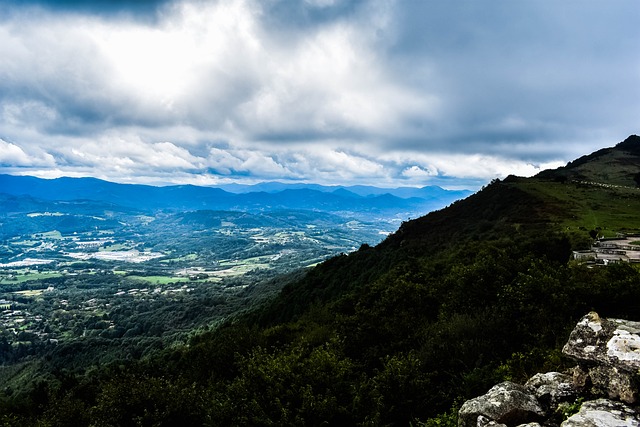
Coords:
378,337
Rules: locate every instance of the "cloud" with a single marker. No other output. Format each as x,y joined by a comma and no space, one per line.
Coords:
419,172
130,155
544,63
207,65
140,9
12,155
288,163
423,166
375,91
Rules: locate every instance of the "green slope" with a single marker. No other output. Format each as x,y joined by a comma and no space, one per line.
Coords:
598,190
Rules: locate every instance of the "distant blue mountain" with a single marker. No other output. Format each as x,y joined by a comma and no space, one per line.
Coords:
259,197
129,195
428,192
273,187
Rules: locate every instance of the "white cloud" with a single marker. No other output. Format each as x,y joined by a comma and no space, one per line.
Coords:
223,162
12,155
477,166
290,162
330,81
419,172
266,166
349,165
196,54
127,156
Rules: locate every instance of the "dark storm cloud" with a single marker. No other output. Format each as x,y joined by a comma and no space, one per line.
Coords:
523,71
302,15
141,8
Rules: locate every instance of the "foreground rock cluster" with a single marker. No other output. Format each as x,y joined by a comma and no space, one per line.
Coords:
604,385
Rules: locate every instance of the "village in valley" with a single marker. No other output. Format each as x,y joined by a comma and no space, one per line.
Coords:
624,248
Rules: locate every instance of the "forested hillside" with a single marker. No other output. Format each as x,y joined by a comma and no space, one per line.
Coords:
396,334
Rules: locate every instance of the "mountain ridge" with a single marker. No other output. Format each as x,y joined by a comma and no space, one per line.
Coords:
190,197
611,165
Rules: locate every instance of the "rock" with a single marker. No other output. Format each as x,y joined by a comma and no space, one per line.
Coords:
581,378
506,403
552,388
603,413
613,383
614,342
529,425
608,351
483,421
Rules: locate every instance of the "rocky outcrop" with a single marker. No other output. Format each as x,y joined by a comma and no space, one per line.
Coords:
608,356
604,412
605,380
552,389
505,403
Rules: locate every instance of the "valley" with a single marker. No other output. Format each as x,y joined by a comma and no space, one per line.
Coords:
152,275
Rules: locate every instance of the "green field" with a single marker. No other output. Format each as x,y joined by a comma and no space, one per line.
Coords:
243,266
53,235
188,257
115,247
27,277
610,209
260,261
165,280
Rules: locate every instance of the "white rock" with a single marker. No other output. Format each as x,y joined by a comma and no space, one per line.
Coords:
603,413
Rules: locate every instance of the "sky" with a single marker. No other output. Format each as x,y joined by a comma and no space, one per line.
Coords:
337,92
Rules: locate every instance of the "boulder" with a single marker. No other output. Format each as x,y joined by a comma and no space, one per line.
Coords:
506,403
603,413
552,388
483,421
613,383
608,353
613,342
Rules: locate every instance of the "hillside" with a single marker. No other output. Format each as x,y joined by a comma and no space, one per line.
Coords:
612,166
448,305
597,191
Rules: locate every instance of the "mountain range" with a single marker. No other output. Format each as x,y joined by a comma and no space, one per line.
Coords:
265,196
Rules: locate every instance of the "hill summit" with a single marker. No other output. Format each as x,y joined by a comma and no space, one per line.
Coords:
599,191
619,165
